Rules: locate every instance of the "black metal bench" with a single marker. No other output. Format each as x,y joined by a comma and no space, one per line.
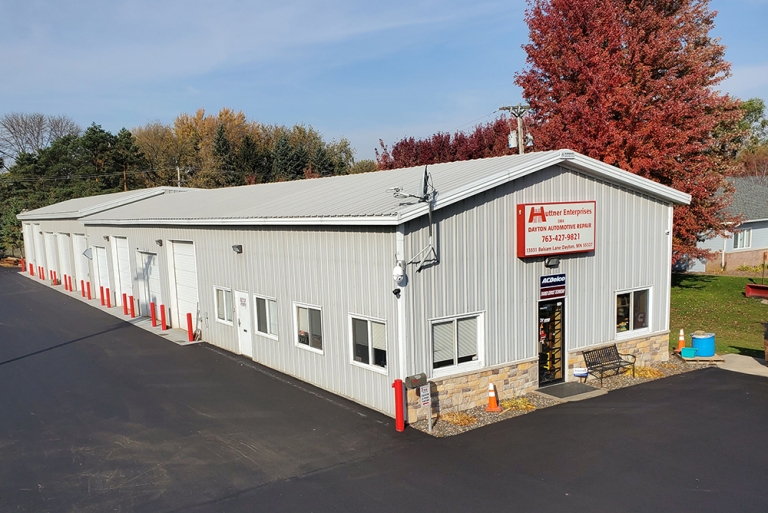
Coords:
607,361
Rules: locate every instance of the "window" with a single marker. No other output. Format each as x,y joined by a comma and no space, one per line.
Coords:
742,239
309,327
266,316
632,310
455,341
224,308
369,342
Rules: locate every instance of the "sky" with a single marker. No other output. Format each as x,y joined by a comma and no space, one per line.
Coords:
363,71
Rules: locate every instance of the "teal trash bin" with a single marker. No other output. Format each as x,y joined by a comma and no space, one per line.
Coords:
704,344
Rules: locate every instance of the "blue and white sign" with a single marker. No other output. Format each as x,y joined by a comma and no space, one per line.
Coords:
552,286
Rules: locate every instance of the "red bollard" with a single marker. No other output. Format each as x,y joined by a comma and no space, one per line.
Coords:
23,265
42,273
125,304
66,282
190,333
133,313
101,294
399,414
109,298
71,288
31,269
82,287
163,326
152,314
54,277
88,287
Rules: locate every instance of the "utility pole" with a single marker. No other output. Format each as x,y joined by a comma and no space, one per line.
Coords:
518,111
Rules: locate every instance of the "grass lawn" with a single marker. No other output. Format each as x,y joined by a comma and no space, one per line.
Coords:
717,304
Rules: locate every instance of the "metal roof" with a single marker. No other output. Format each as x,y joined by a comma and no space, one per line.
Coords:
362,198
750,199
79,207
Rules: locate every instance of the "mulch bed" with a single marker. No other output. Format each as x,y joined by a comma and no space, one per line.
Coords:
442,428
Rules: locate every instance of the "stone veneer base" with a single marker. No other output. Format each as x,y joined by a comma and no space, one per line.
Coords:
470,390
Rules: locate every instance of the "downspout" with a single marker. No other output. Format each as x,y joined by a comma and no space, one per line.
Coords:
722,255
401,308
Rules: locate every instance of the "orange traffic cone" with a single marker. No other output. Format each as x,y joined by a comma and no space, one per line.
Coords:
680,342
493,404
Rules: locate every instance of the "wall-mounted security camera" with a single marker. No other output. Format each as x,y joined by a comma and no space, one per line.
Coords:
398,272
396,292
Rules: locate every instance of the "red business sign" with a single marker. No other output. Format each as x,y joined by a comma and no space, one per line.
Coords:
555,228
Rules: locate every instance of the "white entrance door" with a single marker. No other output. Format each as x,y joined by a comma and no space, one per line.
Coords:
243,323
184,276
50,255
101,270
123,279
80,244
149,282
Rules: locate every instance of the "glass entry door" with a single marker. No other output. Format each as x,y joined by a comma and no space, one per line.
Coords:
551,341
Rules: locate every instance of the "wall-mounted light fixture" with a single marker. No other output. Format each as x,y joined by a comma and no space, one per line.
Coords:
237,248
551,262
159,242
106,237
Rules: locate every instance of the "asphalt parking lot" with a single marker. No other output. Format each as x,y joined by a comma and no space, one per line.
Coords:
97,415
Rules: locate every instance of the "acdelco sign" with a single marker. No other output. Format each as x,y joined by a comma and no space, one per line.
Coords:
555,228
552,286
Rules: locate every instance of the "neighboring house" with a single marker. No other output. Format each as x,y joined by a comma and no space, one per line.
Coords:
749,240
504,274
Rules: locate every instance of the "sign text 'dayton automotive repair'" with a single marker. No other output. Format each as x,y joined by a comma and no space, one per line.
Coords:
555,228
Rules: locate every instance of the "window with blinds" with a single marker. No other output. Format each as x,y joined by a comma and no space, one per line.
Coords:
266,316
369,342
454,341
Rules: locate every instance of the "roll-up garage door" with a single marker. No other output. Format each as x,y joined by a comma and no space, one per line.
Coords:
101,270
39,249
29,244
81,261
185,278
148,275
123,280
65,264
50,254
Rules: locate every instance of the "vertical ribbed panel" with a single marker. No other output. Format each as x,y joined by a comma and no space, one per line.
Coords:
341,270
480,272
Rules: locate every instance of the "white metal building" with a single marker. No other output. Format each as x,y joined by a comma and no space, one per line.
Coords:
533,258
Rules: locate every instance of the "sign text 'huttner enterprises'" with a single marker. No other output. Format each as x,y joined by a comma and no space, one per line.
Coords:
555,228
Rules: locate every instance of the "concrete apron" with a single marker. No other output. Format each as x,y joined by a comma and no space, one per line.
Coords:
744,364
174,335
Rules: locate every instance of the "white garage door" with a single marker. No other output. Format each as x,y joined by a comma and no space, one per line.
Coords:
65,264
81,262
29,244
101,270
148,275
185,278
123,279
50,255
39,249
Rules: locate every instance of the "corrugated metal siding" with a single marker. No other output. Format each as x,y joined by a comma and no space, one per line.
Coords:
342,270
479,270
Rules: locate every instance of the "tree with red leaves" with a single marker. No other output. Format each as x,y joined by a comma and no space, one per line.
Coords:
488,140
630,82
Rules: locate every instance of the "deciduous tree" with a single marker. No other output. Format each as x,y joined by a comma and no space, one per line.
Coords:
632,83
